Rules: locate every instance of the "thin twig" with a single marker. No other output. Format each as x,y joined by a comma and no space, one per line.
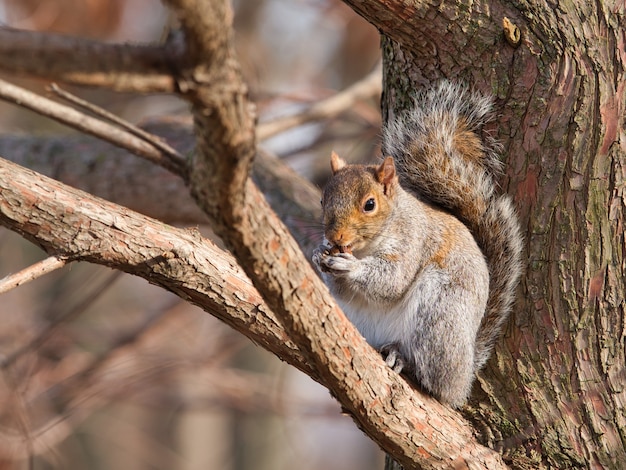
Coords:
31,273
369,86
114,119
82,122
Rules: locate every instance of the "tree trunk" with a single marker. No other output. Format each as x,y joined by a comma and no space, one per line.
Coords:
553,395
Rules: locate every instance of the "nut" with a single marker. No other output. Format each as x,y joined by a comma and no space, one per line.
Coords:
341,249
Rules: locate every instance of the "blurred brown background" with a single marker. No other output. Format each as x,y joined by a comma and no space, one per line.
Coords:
100,370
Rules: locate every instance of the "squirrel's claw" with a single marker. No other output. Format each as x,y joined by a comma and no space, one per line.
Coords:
392,357
341,262
327,262
318,257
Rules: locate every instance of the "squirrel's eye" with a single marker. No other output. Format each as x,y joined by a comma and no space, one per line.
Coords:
369,205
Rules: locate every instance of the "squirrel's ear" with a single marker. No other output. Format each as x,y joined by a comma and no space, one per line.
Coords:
386,172
336,162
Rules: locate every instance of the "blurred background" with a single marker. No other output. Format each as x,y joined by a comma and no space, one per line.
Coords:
101,370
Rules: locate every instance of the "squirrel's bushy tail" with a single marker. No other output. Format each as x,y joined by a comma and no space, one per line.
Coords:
440,156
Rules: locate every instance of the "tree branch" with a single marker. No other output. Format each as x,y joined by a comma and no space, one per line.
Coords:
172,154
368,86
121,67
67,222
419,25
31,273
339,357
93,126
352,370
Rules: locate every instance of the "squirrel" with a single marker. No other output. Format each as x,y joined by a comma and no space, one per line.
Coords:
420,252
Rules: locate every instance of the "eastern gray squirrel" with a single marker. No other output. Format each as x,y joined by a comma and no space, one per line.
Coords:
420,252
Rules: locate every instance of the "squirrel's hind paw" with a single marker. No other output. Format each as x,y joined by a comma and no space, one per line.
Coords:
392,357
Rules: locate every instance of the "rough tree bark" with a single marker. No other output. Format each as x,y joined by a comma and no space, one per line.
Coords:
553,395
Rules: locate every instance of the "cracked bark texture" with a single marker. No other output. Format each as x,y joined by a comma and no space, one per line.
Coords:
73,224
154,191
553,395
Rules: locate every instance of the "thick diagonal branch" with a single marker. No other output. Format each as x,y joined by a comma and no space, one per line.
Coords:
68,222
381,403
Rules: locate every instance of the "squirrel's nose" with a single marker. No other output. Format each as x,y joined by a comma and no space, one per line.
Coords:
336,237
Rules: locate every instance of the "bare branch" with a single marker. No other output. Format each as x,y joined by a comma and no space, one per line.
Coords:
157,142
350,368
121,67
31,273
147,188
95,127
156,192
74,224
226,147
367,87
193,268
223,117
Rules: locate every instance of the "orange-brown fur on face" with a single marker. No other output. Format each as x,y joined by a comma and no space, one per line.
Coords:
348,225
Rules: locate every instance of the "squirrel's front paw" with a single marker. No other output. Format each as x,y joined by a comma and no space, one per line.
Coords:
341,262
334,264
319,254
